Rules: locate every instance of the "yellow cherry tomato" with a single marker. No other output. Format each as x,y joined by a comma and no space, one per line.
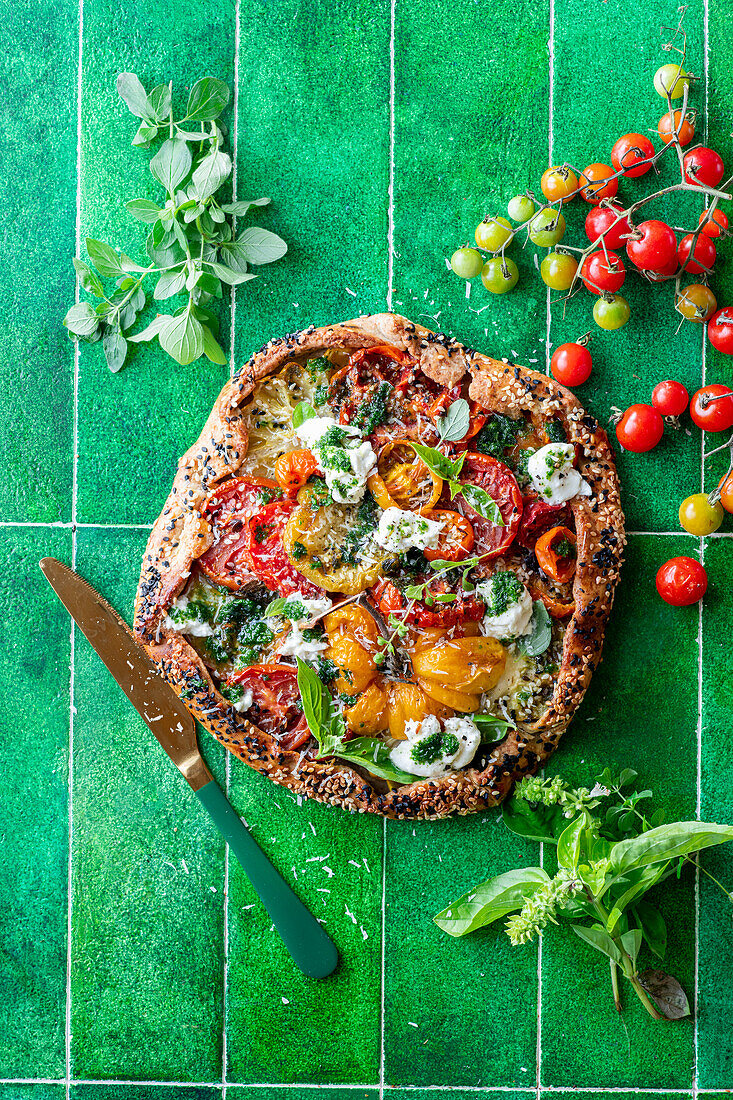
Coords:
699,516
559,183
671,79
696,302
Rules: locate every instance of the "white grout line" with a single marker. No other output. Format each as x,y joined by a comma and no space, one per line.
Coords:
383,933
390,207
72,629
235,132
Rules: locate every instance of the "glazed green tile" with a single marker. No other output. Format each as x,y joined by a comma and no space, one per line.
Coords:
640,712
457,1012
327,1031
148,876
38,200
313,134
470,131
431,1093
133,426
292,1092
594,105
33,808
715,1049
13,1091
109,1091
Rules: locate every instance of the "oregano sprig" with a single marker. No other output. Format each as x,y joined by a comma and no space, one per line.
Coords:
192,245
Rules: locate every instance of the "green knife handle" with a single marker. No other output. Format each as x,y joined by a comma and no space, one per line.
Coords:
312,950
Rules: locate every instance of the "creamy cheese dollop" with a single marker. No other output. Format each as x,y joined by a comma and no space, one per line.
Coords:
345,458
430,751
400,530
244,702
187,623
295,645
553,475
508,606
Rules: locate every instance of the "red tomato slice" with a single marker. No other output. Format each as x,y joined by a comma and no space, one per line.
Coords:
274,697
465,608
538,517
499,482
267,557
228,508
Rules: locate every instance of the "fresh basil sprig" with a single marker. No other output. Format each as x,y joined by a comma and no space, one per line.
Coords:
455,423
449,469
609,854
303,411
191,246
329,729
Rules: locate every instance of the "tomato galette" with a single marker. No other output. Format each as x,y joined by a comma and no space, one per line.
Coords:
383,572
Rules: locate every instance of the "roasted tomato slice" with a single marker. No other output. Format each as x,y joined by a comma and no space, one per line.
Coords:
555,553
560,603
456,539
390,601
274,706
266,553
228,508
499,482
538,517
361,376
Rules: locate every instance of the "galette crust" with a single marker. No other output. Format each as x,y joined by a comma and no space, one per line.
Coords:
181,534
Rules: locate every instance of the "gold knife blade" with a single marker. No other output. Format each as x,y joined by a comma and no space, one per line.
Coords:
154,700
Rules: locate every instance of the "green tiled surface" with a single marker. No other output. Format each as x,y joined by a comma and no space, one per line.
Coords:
167,973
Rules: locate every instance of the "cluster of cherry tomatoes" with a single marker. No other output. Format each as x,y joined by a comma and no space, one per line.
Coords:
650,246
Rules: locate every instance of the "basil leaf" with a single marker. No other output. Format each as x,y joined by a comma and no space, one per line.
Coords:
535,822
146,131
255,246
302,411
653,928
156,325
114,346
480,501
373,755
316,708
438,463
207,99
668,842
171,164
143,209
570,842
456,422
212,349
231,278
82,319
540,636
183,338
491,901
275,607
87,278
104,258
210,174
492,729
667,994
242,206
634,885
132,92
170,283
599,938
160,102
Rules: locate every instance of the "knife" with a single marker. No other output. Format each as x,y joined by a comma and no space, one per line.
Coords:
174,728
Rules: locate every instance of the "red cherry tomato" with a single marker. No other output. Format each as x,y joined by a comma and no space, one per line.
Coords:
628,151
640,428
499,482
726,491
702,258
666,272
456,539
600,273
597,183
599,219
668,125
571,364
539,516
654,248
703,166
671,398
712,416
713,224
682,581
720,330
228,508
275,705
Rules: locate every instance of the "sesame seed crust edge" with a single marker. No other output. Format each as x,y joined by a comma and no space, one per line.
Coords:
181,534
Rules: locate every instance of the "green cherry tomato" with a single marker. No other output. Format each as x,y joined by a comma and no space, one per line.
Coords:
547,228
521,208
611,313
499,275
493,233
699,516
671,78
558,270
467,262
